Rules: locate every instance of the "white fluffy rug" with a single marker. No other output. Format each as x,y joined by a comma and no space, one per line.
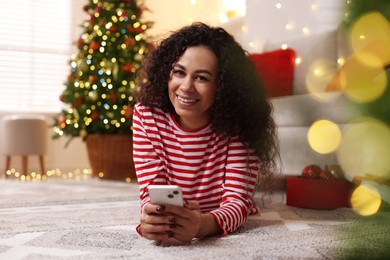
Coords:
95,219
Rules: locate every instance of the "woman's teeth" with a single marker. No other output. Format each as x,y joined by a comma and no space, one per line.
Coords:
186,100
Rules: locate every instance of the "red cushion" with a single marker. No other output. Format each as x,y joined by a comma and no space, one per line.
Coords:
276,68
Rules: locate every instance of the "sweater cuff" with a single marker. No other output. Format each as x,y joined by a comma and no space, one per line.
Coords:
220,224
138,229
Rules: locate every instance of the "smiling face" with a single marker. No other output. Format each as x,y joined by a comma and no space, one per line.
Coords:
192,86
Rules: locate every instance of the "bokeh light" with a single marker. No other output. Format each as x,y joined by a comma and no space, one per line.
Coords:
361,83
318,78
366,200
50,175
370,39
365,148
324,136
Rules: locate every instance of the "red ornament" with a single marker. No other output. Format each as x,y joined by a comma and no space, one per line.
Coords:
127,1
80,42
94,46
92,79
86,8
113,29
312,171
98,9
131,29
91,20
139,29
94,115
127,68
79,101
113,97
62,97
326,174
130,42
129,112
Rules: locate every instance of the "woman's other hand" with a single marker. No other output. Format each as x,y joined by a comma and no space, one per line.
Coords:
168,223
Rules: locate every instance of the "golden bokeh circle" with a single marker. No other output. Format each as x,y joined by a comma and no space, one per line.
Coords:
362,83
366,200
324,136
370,39
365,148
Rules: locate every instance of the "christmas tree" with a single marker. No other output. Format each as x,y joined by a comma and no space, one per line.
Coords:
99,92
369,150
355,10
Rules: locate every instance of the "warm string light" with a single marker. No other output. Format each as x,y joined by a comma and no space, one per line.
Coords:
77,174
53,175
291,26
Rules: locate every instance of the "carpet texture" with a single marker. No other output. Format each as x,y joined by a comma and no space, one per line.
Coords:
96,219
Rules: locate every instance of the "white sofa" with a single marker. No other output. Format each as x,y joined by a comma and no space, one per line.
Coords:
294,114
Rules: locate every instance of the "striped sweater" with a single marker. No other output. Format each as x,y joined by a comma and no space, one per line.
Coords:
217,171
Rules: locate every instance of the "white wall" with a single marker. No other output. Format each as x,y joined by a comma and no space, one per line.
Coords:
169,15
263,22
278,20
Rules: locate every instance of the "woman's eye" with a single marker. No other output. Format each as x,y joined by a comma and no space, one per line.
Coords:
178,72
202,78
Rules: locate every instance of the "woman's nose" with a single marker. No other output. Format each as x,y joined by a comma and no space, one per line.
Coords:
187,84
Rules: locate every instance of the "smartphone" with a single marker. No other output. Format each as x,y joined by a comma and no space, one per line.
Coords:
166,195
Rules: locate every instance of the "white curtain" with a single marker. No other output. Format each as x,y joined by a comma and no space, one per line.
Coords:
35,46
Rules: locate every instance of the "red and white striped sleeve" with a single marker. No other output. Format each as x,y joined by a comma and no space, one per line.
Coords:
237,203
148,166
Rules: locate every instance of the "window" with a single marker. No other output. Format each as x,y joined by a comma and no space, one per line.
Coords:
35,47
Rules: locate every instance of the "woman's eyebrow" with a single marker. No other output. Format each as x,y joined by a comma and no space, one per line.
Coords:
204,71
197,71
178,65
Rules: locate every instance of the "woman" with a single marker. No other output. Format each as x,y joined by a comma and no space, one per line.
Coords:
203,123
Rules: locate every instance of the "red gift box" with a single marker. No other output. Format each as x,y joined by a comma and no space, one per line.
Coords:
318,193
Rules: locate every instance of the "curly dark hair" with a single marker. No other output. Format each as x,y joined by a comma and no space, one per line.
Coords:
240,107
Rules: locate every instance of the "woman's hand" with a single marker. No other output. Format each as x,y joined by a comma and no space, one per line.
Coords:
171,224
188,221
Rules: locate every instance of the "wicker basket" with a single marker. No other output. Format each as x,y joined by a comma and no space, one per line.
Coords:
111,156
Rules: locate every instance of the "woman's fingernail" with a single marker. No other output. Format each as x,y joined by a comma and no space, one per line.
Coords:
160,208
172,219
